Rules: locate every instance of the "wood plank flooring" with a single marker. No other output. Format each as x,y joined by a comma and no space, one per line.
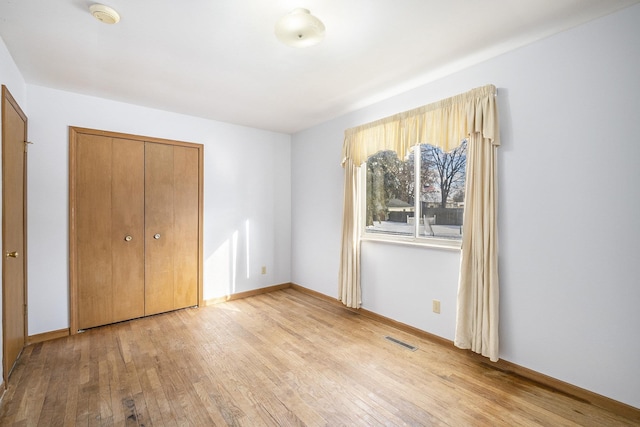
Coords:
283,358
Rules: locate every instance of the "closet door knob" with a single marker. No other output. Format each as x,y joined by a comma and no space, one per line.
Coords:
128,238
156,236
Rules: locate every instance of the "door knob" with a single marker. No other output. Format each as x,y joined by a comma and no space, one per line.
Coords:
156,236
13,254
128,238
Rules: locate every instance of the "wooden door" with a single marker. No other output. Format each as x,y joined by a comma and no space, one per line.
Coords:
135,226
14,234
109,229
171,227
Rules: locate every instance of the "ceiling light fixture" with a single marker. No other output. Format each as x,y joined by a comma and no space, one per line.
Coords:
299,28
104,14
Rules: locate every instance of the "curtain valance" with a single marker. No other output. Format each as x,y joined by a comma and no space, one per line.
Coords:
444,124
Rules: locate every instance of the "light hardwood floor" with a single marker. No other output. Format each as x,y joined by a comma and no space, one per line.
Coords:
283,358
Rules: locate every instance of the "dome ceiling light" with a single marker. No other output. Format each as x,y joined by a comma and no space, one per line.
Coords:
299,28
104,14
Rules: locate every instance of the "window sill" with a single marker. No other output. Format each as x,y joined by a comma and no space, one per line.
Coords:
412,241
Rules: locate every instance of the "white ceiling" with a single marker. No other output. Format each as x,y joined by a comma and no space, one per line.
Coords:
220,59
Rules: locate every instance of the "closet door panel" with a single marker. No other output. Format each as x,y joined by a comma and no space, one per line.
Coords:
186,244
159,233
109,200
93,214
128,229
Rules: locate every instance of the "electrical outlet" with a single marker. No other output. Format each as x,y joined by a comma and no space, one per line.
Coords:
436,306
264,269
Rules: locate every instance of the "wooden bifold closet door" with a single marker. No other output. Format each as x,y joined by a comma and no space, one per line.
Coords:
135,226
171,206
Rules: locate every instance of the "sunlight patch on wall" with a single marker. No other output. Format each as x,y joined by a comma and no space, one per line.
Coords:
246,226
221,269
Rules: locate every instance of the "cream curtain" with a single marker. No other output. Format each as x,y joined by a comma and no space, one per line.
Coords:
445,124
349,282
478,293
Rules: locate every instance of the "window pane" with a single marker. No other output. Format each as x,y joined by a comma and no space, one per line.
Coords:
442,191
390,194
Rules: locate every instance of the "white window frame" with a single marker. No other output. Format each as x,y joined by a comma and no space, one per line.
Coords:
416,239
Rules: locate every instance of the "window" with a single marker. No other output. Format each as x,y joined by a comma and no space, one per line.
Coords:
431,189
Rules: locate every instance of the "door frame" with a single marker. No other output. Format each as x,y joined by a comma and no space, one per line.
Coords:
74,132
7,98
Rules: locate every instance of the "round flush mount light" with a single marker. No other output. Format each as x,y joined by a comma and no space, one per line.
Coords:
299,28
104,13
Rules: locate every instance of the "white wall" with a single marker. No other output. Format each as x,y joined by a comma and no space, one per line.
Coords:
11,77
247,200
568,176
